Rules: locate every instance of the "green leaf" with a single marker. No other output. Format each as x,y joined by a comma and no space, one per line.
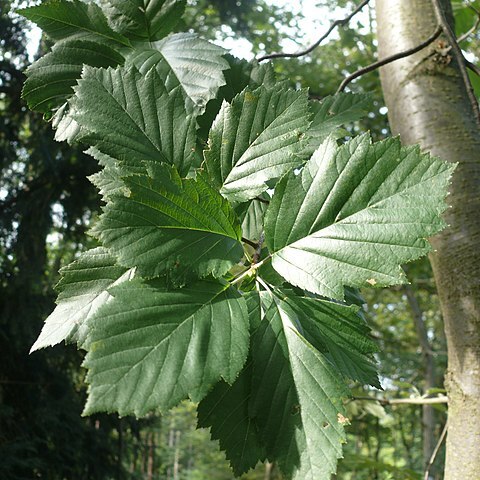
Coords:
354,214
50,79
297,402
256,140
151,347
342,332
108,180
187,61
331,113
132,118
62,19
225,410
148,20
82,291
169,225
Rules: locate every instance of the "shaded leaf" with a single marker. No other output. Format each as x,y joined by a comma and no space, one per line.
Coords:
297,398
51,78
62,19
252,225
225,410
331,113
341,332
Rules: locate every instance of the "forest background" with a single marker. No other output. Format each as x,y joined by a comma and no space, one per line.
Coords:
46,205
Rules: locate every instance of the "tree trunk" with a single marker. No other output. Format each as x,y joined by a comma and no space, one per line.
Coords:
428,104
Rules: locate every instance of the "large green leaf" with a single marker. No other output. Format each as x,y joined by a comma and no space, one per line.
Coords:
297,398
340,331
132,118
185,60
147,20
61,19
82,291
169,225
354,214
255,140
151,347
331,113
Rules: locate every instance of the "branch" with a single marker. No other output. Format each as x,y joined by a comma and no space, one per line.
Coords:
249,242
473,67
463,37
435,451
335,24
250,270
258,248
406,401
458,56
390,59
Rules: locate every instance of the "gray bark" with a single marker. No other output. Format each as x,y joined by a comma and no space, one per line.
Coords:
428,104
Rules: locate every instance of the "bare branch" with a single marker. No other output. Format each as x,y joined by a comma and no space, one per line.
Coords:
406,401
463,37
390,59
312,47
458,56
473,67
435,451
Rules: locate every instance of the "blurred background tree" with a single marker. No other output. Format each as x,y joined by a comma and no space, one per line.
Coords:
46,204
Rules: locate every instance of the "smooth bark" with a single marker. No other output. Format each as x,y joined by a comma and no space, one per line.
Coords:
428,104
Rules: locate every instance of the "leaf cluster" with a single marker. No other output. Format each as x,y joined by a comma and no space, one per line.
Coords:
233,222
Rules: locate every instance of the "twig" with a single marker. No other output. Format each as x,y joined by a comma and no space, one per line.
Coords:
312,47
249,270
459,57
249,242
473,67
258,248
463,37
390,59
405,401
435,450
